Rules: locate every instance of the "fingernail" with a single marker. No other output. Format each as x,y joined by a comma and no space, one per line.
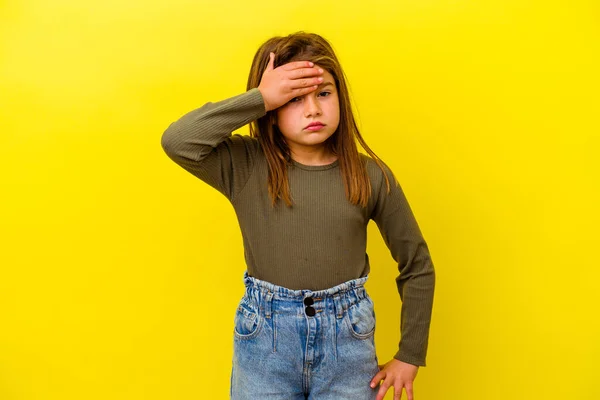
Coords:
311,63
372,385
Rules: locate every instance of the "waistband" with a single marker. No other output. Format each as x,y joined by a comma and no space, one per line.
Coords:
342,296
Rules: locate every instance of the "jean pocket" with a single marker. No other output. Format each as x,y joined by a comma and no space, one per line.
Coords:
360,319
247,321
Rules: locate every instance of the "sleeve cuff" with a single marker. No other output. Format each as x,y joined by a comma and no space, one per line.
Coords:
410,360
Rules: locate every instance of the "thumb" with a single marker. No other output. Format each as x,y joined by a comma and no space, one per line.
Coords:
271,61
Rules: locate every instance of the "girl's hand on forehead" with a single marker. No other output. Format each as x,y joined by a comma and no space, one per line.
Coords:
280,85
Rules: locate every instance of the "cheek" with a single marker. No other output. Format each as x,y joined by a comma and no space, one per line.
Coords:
333,109
286,119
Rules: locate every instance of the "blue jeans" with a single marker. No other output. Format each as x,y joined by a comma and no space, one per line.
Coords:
302,344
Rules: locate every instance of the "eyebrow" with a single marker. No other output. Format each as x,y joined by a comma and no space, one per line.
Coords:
325,84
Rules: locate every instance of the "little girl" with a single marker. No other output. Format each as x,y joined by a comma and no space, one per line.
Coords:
303,196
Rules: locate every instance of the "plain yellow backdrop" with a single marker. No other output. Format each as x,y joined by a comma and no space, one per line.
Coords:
120,271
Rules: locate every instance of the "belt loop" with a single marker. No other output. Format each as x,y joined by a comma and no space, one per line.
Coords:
338,306
268,304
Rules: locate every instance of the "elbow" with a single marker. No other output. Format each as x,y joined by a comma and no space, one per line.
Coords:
168,140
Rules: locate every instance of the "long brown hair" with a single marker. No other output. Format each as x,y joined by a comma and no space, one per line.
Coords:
312,47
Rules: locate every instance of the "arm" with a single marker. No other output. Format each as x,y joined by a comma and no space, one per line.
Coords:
416,279
202,143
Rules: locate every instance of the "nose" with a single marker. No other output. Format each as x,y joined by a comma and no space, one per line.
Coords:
311,106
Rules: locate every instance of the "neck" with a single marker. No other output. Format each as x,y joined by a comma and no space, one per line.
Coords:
312,156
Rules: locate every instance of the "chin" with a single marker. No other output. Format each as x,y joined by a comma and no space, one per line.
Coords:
321,135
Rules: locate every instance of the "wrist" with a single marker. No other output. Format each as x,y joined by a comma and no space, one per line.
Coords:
267,106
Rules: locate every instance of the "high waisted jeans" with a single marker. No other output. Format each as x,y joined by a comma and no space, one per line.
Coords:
303,344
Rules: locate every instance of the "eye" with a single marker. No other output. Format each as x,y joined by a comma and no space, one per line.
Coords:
325,92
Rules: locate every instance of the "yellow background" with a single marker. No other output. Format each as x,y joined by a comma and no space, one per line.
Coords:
120,272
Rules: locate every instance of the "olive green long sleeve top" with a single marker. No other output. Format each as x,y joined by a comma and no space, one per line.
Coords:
321,241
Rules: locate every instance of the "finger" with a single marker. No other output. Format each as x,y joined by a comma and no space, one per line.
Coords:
384,388
303,83
398,393
377,378
409,391
303,73
296,64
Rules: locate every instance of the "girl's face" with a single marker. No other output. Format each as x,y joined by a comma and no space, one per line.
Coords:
321,105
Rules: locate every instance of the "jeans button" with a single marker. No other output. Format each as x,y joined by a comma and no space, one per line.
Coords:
310,311
309,301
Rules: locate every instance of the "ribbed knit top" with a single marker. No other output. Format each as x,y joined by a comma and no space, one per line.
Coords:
321,240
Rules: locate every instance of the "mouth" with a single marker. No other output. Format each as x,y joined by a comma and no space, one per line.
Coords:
314,126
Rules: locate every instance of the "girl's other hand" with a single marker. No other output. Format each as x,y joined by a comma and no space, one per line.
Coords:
398,374
280,85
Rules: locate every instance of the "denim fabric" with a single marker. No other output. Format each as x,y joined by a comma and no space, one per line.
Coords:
281,352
